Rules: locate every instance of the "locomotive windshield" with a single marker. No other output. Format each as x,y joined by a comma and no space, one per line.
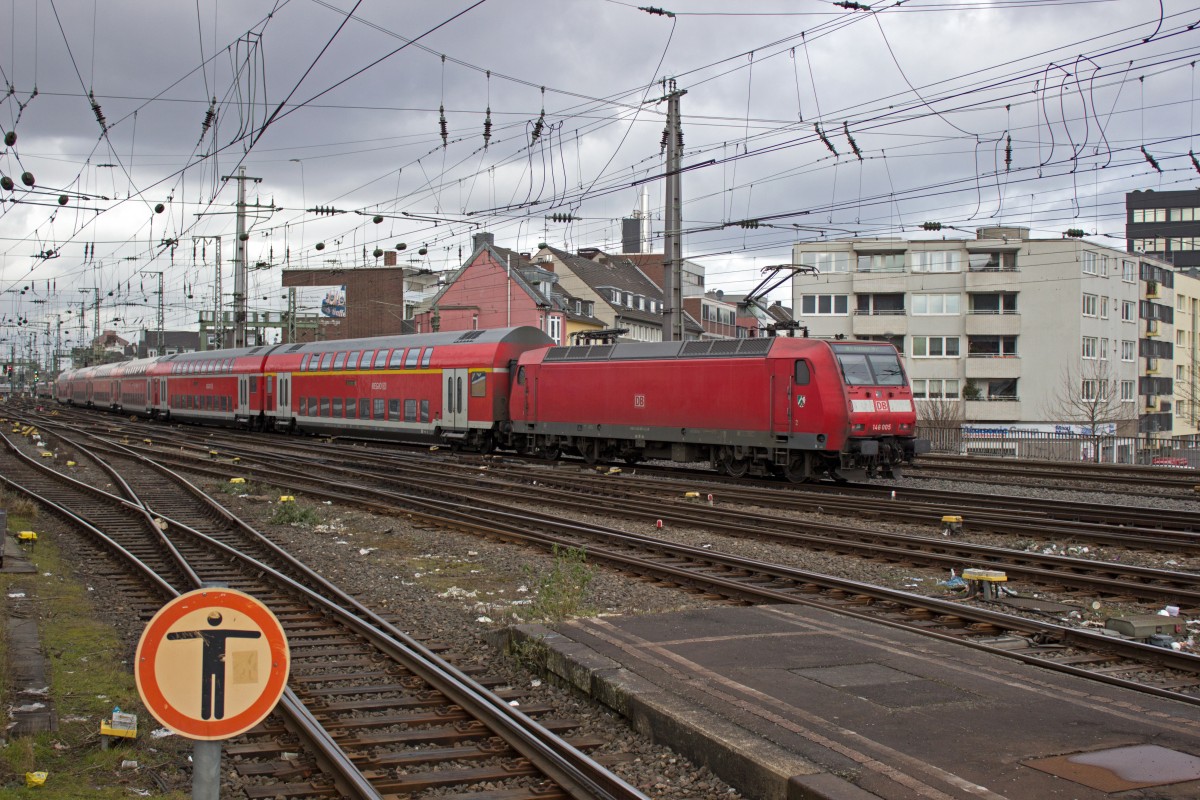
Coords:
870,365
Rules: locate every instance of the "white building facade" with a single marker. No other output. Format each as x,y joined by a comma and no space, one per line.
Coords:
1003,328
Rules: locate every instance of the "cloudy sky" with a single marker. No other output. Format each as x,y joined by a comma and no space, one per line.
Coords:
809,118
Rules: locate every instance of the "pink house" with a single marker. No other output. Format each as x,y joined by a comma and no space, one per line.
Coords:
497,288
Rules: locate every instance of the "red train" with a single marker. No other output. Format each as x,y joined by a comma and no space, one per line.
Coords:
802,408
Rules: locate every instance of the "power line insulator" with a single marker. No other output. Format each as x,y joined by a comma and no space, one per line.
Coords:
1075,233
931,226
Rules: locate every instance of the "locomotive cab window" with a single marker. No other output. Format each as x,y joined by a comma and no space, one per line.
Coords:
870,365
397,358
478,384
802,374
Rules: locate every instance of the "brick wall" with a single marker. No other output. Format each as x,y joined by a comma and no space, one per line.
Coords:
374,301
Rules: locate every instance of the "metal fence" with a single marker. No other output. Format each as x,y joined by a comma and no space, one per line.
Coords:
1178,451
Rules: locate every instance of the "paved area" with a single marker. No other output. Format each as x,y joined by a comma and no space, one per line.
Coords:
787,702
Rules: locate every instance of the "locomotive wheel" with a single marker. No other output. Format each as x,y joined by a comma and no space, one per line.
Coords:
550,453
797,470
590,450
736,467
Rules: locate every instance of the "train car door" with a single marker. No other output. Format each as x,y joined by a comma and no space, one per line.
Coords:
454,398
283,410
243,398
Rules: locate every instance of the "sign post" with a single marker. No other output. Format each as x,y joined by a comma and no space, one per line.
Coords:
211,665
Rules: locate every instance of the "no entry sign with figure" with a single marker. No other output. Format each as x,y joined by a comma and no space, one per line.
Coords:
212,663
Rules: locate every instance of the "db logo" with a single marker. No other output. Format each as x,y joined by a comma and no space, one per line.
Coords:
881,405
639,401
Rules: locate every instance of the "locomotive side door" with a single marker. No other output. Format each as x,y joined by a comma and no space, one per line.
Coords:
454,398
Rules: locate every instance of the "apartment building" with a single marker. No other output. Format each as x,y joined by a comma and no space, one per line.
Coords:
1004,329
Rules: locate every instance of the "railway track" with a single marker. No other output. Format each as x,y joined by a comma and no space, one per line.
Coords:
376,712
454,500
1117,478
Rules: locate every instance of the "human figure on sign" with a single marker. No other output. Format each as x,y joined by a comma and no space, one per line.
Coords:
212,679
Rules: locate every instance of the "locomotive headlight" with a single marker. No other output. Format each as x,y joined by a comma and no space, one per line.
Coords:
858,426
906,426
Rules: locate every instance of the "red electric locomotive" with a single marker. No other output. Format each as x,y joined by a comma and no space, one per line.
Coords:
802,408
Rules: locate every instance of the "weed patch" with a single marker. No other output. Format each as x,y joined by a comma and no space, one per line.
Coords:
294,514
560,592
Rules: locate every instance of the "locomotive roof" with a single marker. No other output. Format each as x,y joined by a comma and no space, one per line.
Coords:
633,351
522,335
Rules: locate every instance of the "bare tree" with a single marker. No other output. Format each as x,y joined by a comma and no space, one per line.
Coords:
1090,397
941,420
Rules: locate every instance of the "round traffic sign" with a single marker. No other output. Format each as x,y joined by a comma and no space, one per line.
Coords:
212,663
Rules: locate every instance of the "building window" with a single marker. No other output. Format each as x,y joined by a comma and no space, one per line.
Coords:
554,323
1128,350
935,389
1128,272
1104,349
1005,303
1128,311
992,262
1149,215
1091,263
991,346
1088,390
1179,372
1181,303
825,305
1127,391
1090,303
1103,308
1089,347
881,262
935,347
937,261
827,262
1181,338
934,304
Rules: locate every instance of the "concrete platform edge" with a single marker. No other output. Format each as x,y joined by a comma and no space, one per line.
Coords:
755,767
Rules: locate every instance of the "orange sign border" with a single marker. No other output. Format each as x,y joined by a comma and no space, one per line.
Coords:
156,631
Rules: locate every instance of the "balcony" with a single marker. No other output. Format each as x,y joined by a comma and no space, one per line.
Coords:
1152,290
990,280
879,323
995,409
993,324
986,367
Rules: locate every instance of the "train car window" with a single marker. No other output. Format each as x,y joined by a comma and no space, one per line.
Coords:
802,376
458,394
337,407
520,376
428,355
394,409
339,361
324,406
380,359
352,360
304,362
253,384
365,361
410,410
303,406
315,363
364,408
397,358
414,358
424,411
270,384
478,384
351,408
326,361
380,408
